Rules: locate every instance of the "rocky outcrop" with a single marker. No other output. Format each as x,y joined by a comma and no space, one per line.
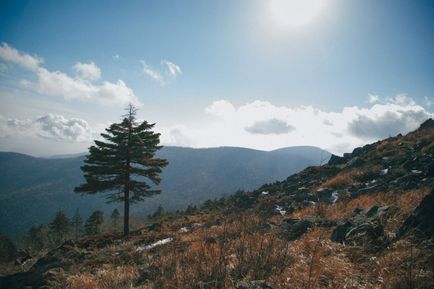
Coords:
364,228
63,257
421,221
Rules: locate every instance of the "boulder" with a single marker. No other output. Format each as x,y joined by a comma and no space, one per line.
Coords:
295,228
62,257
420,221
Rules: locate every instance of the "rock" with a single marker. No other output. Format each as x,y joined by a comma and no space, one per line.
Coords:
324,194
62,257
428,124
420,222
295,228
336,160
154,227
366,234
357,211
340,232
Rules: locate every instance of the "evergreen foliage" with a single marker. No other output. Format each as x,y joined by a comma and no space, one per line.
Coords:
93,223
124,163
77,224
116,216
60,227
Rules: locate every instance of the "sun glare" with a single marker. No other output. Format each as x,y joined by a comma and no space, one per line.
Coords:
294,13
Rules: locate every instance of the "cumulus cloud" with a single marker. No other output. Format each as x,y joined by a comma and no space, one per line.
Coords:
387,120
271,126
263,125
57,83
172,69
88,71
49,126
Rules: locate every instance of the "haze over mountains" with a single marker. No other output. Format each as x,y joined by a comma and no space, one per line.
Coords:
33,189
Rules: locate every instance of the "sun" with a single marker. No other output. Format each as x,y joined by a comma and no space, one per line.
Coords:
294,13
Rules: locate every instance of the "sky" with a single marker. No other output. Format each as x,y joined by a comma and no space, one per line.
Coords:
262,74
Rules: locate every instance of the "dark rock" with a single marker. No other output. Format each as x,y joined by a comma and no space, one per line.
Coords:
295,228
325,223
357,211
155,227
62,257
372,211
324,195
421,221
367,234
428,124
340,232
336,160
22,257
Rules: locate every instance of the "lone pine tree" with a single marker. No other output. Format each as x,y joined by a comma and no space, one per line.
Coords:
124,164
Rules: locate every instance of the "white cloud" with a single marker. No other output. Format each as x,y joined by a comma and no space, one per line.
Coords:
50,126
172,69
88,71
12,55
57,83
116,57
337,132
152,73
429,101
271,126
373,98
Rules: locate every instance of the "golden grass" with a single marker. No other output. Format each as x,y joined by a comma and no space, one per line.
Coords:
120,277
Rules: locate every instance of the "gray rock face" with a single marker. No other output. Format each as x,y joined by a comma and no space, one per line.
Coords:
421,221
364,228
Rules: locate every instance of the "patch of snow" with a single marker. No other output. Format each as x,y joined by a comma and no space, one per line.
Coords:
197,225
183,230
373,181
265,193
384,172
302,188
153,245
334,197
280,210
416,172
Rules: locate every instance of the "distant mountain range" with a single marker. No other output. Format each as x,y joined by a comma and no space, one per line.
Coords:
33,189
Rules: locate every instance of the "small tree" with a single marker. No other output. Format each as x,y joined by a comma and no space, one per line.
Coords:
124,163
35,238
77,224
93,223
115,218
60,226
159,212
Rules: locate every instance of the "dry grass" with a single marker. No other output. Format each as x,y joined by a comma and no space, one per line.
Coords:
107,277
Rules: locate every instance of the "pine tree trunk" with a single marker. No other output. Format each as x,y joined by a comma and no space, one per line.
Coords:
126,211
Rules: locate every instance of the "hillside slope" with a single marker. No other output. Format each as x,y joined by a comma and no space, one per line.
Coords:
33,189
361,221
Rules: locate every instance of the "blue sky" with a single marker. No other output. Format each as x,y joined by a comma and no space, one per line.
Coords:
235,65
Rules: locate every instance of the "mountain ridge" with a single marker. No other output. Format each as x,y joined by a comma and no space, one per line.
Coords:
194,175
